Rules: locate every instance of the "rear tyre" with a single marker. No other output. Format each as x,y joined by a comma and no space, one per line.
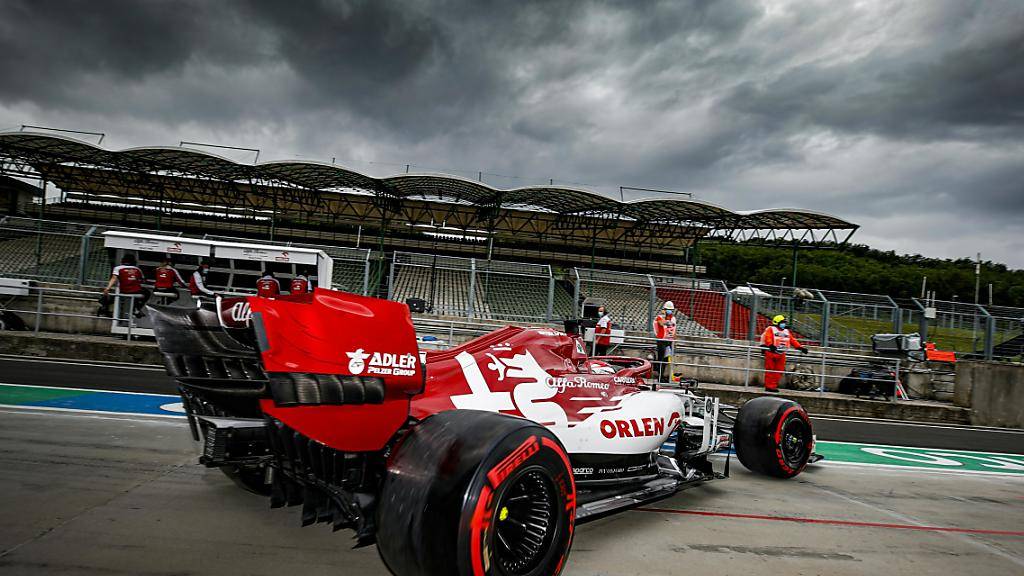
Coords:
470,492
773,436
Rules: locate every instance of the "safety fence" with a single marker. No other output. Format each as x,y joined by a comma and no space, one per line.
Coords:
706,360
478,288
822,371
74,254
984,331
53,251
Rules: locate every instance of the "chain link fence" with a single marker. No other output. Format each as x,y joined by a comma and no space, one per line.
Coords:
703,307
803,309
501,291
474,288
631,299
53,251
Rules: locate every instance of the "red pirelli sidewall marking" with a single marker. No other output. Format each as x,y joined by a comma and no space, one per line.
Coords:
528,448
478,525
778,437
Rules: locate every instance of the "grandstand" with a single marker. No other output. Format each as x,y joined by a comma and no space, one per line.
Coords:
527,255
51,251
633,300
196,192
445,283
703,302
484,289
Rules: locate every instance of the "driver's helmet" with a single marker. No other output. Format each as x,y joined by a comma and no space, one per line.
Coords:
599,367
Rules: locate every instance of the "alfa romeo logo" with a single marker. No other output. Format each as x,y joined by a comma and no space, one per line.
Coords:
357,361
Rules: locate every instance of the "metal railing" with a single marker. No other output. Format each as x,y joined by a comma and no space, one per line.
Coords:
476,288
819,366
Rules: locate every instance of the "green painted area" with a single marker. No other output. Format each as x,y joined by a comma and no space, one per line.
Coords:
32,394
931,458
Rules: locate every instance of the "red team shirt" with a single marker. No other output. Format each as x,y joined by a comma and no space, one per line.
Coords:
129,278
267,287
299,285
197,285
166,278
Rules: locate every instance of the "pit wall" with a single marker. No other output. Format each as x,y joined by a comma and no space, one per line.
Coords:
993,390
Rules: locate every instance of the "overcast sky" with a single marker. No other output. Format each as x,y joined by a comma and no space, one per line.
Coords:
905,117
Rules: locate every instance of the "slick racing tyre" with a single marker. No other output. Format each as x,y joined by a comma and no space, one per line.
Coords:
477,493
773,436
250,479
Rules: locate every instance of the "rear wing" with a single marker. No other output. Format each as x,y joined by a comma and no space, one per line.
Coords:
342,368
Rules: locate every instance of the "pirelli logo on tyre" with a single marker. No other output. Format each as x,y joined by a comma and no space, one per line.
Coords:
501,471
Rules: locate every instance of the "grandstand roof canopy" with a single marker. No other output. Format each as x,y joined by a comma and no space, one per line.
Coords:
39,153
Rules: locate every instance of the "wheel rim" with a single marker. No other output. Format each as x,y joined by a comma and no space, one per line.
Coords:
525,522
795,442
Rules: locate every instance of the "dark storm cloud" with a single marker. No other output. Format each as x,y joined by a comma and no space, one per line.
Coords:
980,86
874,111
48,48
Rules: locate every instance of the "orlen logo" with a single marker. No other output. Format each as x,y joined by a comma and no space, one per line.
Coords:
637,427
381,363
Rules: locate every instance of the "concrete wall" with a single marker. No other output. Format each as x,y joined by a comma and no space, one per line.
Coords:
79,347
740,371
996,392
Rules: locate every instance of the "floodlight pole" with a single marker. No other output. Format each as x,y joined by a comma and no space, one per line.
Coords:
622,190
100,134
796,247
182,143
977,279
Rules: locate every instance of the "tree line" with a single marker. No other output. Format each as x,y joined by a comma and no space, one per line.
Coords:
859,268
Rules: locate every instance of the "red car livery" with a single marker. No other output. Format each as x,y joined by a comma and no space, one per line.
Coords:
485,454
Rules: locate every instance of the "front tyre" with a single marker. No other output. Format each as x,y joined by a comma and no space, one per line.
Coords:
477,493
773,436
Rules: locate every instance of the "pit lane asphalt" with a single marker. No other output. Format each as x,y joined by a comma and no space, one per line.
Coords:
153,379
104,495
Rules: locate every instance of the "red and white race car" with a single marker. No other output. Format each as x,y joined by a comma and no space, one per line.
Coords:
475,460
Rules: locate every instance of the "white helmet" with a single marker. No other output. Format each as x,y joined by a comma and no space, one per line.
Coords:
669,305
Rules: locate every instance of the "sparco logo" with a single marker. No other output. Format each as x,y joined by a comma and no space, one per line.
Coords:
381,363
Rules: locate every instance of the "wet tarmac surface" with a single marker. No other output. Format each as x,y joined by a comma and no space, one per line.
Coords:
97,495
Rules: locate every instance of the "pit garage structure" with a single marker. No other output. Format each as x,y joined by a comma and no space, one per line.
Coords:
181,188
235,267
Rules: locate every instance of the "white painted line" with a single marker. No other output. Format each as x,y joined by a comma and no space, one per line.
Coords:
892,447
856,420
131,416
89,390
74,362
911,520
896,468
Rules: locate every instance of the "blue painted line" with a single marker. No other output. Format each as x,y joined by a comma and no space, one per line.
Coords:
115,402
88,400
